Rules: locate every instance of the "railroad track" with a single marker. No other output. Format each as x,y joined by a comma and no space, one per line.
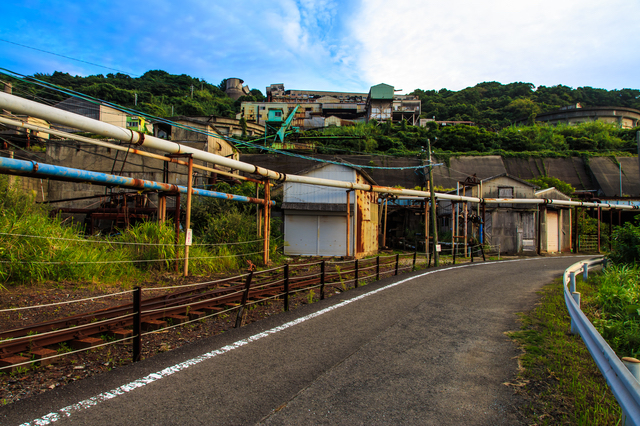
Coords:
189,303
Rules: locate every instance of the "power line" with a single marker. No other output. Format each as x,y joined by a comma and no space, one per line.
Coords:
203,132
67,57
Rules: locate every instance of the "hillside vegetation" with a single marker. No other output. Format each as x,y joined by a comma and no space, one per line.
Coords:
545,140
491,105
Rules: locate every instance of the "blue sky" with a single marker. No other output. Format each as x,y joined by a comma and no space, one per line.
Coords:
333,45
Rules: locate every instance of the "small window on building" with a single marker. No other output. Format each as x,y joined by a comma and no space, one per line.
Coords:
505,192
278,113
132,124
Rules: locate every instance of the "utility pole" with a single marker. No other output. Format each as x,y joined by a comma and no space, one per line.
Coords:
135,99
434,222
192,91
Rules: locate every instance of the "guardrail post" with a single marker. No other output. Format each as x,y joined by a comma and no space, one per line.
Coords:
397,262
245,297
471,250
286,287
378,268
576,297
415,255
322,278
633,365
453,250
585,271
484,259
357,273
572,282
605,263
137,321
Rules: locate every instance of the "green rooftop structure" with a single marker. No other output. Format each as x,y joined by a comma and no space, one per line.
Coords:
381,91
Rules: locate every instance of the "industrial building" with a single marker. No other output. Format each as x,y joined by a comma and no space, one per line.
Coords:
325,221
322,109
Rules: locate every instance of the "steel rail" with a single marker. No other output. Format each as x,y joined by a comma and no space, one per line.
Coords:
623,385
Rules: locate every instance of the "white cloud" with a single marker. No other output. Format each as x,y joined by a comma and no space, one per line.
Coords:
435,44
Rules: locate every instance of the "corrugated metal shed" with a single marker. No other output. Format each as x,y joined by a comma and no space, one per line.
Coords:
316,217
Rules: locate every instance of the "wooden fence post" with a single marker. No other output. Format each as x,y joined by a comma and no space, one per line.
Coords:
245,297
286,287
137,320
397,262
322,279
356,274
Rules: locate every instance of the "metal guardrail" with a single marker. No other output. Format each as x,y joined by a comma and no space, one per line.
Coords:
623,384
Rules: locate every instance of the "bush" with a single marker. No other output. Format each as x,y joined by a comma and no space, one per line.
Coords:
619,300
625,247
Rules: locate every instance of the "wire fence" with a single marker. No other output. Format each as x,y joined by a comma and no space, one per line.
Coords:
195,302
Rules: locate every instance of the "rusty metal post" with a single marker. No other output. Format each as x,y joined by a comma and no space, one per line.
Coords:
386,219
453,230
243,303
539,230
426,227
267,220
610,226
349,223
466,217
397,262
258,212
187,226
599,217
378,268
286,287
574,224
415,255
357,274
176,222
162,207
471,254
322,278
484,223
137,315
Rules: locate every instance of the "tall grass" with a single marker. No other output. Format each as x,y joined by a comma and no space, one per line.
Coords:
559,377
618,299
60,253
55,253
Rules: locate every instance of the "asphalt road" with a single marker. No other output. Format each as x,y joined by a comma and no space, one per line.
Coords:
425,348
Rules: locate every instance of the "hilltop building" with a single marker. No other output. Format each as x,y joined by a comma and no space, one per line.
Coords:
323,109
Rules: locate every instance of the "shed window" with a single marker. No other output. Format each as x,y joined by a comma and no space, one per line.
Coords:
505,192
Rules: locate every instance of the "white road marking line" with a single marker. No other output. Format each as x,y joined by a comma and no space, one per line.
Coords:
105,396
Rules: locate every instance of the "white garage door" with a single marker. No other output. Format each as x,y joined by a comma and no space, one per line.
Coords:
315,235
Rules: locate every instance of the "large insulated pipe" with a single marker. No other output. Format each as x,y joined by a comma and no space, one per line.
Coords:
32,168
54,115
97,142
24,106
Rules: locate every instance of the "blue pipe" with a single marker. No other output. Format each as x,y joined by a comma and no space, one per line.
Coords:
13,166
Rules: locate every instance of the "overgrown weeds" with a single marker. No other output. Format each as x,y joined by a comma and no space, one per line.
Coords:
35,248
618,300
558,377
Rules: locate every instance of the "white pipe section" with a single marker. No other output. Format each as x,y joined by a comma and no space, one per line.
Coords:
26,125
19,105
